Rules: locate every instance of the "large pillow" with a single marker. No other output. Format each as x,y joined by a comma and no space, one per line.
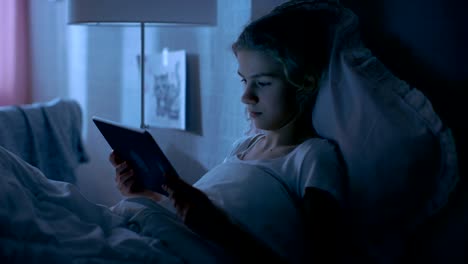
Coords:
399,157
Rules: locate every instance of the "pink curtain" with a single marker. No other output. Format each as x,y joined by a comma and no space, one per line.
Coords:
14,52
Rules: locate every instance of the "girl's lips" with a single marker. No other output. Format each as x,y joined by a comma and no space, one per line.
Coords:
254,114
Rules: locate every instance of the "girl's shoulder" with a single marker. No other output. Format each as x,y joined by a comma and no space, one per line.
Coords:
318,148
319,142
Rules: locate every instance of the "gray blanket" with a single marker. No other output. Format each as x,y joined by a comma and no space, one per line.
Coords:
47,135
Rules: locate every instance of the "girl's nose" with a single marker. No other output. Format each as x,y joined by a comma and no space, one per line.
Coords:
249,96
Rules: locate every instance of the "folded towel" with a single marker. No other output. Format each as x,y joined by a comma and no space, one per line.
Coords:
46,135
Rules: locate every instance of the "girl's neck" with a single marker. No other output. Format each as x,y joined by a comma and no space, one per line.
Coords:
293,133
280,142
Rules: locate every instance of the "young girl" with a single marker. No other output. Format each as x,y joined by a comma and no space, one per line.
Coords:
278,195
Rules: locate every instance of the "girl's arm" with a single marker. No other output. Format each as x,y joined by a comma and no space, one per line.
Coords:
209,221
323,216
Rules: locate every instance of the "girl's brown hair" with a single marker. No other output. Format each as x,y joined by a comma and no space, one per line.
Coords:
298,36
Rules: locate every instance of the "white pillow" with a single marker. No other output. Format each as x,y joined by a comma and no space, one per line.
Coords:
400,158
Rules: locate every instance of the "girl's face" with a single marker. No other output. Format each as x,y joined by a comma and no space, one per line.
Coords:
270,100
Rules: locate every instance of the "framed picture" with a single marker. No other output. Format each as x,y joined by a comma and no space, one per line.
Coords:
165,89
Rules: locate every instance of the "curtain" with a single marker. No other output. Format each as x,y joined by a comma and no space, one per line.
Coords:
14,52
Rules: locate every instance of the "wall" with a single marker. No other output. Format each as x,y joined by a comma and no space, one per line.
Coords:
97,66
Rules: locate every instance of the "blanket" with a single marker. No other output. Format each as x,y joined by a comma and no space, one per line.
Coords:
47,135
46,220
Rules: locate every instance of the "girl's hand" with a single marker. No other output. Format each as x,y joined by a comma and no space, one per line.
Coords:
188,200
180,203
126,180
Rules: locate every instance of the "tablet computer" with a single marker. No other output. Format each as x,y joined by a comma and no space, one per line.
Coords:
138,147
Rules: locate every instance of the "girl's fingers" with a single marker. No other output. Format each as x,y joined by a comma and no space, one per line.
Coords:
180,204
114,158
172,180
122,167
169,191
122,177
180,212
125,181
128,181
183,213
126,189
173,199
171,196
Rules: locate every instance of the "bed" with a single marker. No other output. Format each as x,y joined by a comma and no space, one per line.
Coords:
400,210
43,215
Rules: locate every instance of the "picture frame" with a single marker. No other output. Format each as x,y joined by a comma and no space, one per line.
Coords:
165,89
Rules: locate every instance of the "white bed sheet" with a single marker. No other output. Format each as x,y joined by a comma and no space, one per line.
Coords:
44,220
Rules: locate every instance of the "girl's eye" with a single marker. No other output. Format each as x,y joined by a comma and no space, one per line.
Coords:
262,84
244,81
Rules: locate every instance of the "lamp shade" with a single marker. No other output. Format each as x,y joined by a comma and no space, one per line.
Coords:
196,12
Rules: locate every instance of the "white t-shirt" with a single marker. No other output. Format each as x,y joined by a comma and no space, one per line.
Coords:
264,195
